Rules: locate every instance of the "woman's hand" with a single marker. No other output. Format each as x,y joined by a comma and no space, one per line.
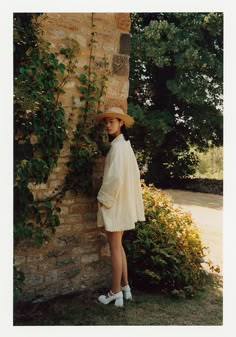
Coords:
101,205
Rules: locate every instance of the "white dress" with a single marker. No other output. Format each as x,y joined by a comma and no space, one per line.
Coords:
120,192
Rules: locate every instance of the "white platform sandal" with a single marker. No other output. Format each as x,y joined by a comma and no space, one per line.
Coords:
127,292
117,297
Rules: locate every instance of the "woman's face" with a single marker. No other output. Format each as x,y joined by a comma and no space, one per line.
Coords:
113,126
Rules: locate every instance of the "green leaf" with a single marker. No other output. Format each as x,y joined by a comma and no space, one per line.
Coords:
61,68
48,203
38,240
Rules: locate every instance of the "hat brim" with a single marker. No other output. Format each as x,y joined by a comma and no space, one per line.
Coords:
126,118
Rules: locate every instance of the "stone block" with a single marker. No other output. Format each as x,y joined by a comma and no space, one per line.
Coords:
125,89
119,102
91,270
55,253
81,40
18,260
28,269
114,86
76,251
100,64
85,225
105,250
84,249
80,208
67,240
109,48
34,258
53,184
69,273
105,37
46,266
53,176
123,21
67,201
33,279
73,219
67,288
34,187
63,229
125,44
88,258
64,262
69,85
104,19
62,160
90,216
64,210
51,276
120,65
95,237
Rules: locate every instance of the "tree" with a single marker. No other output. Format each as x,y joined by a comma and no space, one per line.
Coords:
176,86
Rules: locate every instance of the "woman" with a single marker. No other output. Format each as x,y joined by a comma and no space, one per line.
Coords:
120,199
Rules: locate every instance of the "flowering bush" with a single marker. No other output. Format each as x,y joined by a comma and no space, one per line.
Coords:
166,252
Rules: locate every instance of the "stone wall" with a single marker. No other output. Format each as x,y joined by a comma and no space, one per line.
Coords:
77,256
213,186
204,185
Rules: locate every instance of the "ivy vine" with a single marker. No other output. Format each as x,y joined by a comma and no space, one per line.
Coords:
39,124
88,140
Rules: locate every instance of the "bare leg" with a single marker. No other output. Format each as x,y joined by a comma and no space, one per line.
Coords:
115,243
124,281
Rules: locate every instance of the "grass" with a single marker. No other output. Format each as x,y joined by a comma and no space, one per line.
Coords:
146,309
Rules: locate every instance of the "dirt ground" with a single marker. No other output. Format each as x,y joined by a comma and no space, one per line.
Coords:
207,211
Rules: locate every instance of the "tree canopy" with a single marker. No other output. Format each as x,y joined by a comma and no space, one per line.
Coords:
176,89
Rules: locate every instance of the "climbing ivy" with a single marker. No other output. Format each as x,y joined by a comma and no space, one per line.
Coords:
88,139
39,124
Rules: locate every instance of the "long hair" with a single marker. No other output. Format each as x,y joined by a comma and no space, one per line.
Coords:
123,131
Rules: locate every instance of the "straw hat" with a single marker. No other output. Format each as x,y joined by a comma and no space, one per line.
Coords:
115,113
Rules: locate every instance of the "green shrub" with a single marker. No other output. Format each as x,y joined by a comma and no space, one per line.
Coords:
166,253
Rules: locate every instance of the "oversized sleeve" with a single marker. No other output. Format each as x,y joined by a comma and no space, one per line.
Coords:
113,178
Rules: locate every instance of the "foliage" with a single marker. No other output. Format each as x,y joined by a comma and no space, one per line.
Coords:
39,127
166,252
210,163
161,155
176,80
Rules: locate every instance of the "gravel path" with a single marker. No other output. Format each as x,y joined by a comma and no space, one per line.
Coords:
207,211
